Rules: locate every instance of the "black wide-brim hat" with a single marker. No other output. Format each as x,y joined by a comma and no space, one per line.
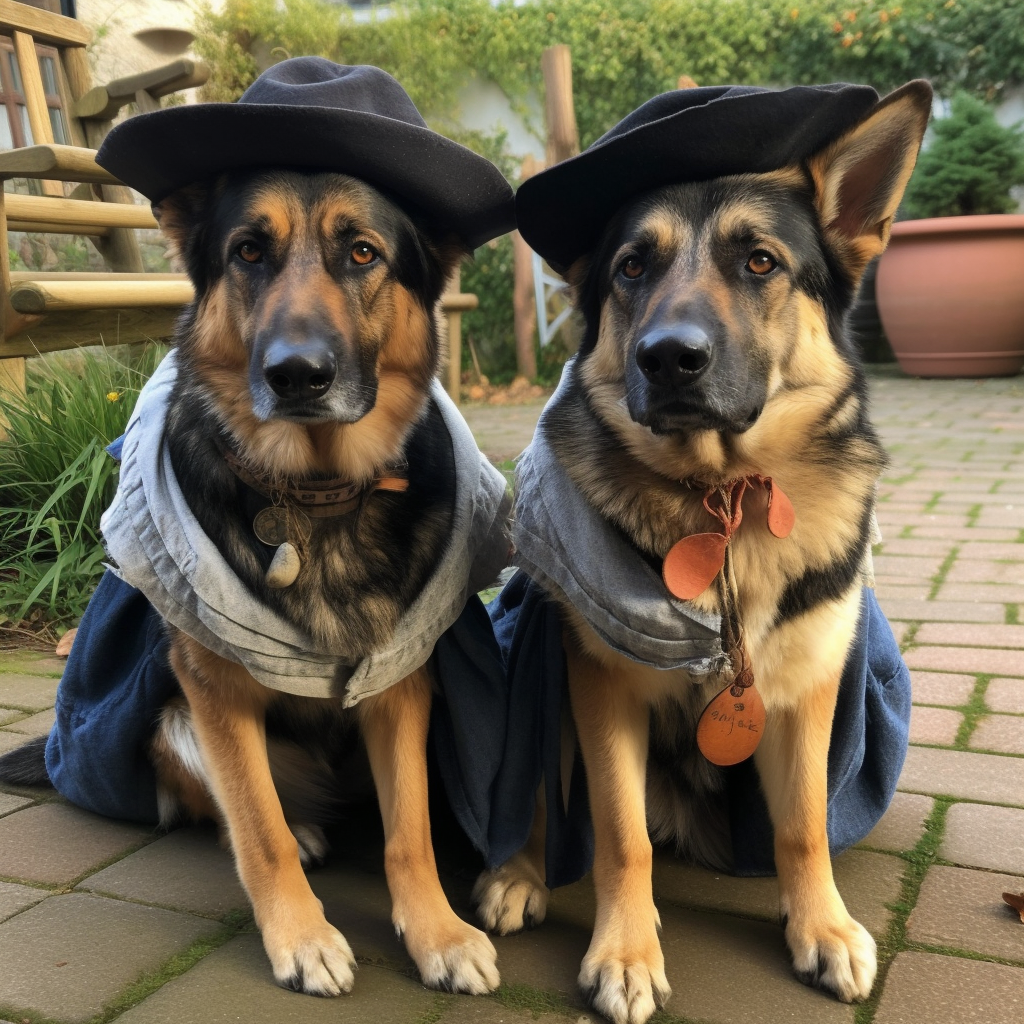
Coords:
682,136
309,113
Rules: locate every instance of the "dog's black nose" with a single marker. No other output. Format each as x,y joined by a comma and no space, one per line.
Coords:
299,371
674,356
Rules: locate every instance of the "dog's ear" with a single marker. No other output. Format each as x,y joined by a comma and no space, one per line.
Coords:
859,179
180,214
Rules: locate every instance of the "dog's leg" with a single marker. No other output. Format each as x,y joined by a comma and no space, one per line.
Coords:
514,896
449,953
228,705
623,973
830,949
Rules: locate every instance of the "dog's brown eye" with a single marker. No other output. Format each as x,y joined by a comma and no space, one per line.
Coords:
632,268
363,254
761,262
250,253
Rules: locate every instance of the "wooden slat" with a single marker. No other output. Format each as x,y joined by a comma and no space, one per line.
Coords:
62,163
459,302
66,296
59,331
44,277
92,230
46,27
35,99
77,212
104,101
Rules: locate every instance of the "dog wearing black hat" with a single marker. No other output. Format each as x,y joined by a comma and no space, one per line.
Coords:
299,501
698,504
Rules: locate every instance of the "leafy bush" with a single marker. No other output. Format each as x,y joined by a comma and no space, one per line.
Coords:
56,478
970,167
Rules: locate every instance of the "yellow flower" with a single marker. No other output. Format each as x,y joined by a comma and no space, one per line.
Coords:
847,41
551,15
883,16
837,27
851,15
794,14
113,396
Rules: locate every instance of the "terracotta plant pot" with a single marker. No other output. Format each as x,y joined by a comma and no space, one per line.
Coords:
951,295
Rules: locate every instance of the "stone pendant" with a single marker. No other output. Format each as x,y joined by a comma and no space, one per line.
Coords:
284,569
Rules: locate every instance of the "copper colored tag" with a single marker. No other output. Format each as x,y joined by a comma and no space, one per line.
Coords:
781,514
730,727
692,563
271,525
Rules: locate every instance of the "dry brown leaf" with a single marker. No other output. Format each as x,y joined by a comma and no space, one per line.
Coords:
1015,900
64,647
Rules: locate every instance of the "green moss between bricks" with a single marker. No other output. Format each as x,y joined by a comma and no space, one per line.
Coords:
973,711
943,571
895,939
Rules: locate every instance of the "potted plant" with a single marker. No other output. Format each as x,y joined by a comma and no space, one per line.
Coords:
951,285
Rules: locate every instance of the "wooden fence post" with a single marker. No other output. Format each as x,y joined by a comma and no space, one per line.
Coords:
563,135
455,341
523,299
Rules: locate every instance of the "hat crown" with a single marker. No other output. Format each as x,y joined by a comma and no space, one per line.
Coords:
318,82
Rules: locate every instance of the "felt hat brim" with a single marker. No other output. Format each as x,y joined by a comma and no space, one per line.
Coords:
689,135
423,171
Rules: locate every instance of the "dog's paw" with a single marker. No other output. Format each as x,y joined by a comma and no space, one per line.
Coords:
319,964
511,898
452,955
627,987
313,845
838,956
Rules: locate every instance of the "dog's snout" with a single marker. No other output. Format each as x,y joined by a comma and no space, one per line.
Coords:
674,356
299,371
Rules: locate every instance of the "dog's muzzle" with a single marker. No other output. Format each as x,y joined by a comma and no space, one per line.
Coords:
674,357
299,373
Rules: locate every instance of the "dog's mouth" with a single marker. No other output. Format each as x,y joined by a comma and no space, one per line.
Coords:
682,416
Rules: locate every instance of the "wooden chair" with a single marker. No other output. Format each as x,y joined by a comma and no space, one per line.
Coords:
39,312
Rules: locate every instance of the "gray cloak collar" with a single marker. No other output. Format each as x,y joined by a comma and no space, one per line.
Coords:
158,546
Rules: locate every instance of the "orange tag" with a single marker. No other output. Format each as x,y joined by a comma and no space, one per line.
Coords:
692,563
730,727
781,514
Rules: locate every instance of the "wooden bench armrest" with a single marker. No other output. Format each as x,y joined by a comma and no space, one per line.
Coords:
40,296
55,163
104,101
72,214
459,302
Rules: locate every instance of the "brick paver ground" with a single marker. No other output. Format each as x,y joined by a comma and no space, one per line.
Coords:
102,921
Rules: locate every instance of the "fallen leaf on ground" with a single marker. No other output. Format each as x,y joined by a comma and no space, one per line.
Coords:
64,647
1015,900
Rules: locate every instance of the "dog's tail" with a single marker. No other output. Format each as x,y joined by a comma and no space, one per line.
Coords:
26,765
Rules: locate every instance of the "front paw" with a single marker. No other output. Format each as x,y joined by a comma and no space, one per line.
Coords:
626,985
451,955
316,960
511,898
836,954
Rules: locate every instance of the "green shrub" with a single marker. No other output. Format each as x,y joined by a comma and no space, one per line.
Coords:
56,478
970,166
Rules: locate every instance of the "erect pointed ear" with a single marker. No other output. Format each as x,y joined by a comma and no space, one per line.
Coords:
180,213
860,178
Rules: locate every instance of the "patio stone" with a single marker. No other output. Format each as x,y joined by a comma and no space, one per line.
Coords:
1007,552
186,870
32,663
942,611
38,724
1000,593
15,898
234,983
965,775
34,693
11,740
1004,733
967,659
977,534
971,635
1006,695
915,547
983,836
55,843
964,909
69,955
911,568
902,825
866,881
470,1010
925,988
986,571
934,725
7,715
941,688
9,802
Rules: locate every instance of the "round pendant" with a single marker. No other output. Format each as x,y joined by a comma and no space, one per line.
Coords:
271,525
730,728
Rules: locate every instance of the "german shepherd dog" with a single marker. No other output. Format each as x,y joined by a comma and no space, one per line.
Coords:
308,354
714,350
